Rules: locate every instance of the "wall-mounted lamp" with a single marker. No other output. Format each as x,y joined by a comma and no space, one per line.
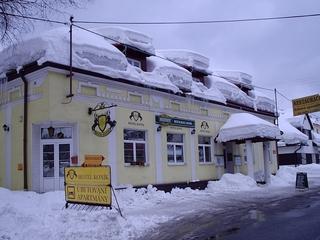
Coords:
5,127
159,129
193,131
51,131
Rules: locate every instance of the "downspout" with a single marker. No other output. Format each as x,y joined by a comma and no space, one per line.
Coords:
295,152
25,130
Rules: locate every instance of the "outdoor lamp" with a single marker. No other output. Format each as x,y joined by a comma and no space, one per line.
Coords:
5,127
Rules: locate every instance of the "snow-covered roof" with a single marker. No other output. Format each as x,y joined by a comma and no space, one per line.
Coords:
212,93
230,91
177,75
241,126
186,58
129,37
90,52
291,135
297,121
236,77
262,102
316,138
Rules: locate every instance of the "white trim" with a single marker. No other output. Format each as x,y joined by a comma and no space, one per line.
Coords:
112,150
8,146
132,62
175,144
158,146
193,156
134,142
250,160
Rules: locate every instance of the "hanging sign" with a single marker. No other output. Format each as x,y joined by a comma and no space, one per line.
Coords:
88,185
306,105
102,123
166,120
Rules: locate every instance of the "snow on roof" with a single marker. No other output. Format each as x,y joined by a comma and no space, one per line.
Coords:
241,126
316,138
212,93
236,77
129,37
94,53
262,101
230,91
186,58
179,76
90,52
296,121
291,135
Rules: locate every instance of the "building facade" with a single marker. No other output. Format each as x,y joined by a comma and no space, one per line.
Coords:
147,134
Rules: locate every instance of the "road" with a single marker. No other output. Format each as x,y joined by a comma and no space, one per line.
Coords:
294,217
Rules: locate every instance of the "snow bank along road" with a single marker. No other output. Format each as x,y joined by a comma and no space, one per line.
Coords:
28,215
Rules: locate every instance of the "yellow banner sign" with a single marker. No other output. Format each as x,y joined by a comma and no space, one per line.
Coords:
305,105
88,185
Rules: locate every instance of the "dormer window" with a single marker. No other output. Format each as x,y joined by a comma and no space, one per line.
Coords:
134,62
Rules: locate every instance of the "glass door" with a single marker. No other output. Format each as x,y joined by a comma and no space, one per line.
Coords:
55,157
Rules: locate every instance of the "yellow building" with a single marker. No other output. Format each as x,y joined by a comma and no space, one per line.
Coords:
149,131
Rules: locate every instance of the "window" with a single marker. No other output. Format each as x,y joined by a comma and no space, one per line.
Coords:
134,62
175,106
134,146
204,111
175,148
135,98
204,146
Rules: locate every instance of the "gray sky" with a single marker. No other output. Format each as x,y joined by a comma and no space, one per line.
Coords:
282,54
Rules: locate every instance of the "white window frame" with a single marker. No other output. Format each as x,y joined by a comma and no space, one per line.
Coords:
134,142
203,146
175,144
132,62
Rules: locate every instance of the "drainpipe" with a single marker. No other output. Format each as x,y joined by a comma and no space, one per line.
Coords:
295,152
25,130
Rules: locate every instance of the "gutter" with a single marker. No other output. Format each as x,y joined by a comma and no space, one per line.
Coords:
25,129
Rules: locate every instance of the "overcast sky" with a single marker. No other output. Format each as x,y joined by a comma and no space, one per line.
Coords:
282,54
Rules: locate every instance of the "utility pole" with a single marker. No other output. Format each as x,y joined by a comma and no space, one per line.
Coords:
70,63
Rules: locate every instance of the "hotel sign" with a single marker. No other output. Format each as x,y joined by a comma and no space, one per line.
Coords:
305,105
88,185
166,120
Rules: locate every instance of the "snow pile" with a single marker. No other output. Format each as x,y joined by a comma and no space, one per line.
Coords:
176,75
128,37
232,182
29,215
291,135
235,77
263,102
285,176
212,93
230,91
186,58
245,126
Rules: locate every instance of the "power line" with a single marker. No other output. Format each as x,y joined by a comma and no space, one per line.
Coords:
283,96
202,22
33,18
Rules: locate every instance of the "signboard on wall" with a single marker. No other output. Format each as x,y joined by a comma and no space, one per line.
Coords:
88,185
306,105
170,121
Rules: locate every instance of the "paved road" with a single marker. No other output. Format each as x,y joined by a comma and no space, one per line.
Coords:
296,217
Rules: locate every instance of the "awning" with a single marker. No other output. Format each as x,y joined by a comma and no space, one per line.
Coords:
245,126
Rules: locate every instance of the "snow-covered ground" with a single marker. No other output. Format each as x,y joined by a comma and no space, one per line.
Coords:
29,215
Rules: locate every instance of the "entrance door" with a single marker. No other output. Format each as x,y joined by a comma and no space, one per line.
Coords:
229,158
55,156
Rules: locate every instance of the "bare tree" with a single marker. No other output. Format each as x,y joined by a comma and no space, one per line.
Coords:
14,15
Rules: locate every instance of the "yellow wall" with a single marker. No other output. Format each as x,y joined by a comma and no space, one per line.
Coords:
132,174
54,107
